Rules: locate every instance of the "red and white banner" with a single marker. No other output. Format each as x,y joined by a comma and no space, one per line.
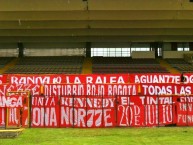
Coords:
69,79
185,111
44,111
16,107
3,79
90,89
33,89
97,100
102,111
145,111
2,116
160,78
85,111
166,89
95,79
154,78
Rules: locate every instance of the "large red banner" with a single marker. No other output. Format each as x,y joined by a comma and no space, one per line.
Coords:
102,111
3,79
33,89
90,89
2,116
95,79
145,111
69,79
14,110
166,89
185,111
99,100
45,111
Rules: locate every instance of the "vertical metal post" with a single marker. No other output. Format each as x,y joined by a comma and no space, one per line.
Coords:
73,111
44,111
145,107
158,112
173,109
59,109
86,112
116,115
147,113
129,112
186,111
102,112
6,117
30,110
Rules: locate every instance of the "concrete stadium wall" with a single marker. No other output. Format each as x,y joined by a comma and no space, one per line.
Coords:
175,54
143,54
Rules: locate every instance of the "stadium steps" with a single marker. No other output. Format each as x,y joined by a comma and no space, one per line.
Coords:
87,66
7,66
172,70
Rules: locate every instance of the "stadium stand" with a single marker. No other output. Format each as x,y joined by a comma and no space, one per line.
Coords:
4,61
126,65
47,65
180,64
